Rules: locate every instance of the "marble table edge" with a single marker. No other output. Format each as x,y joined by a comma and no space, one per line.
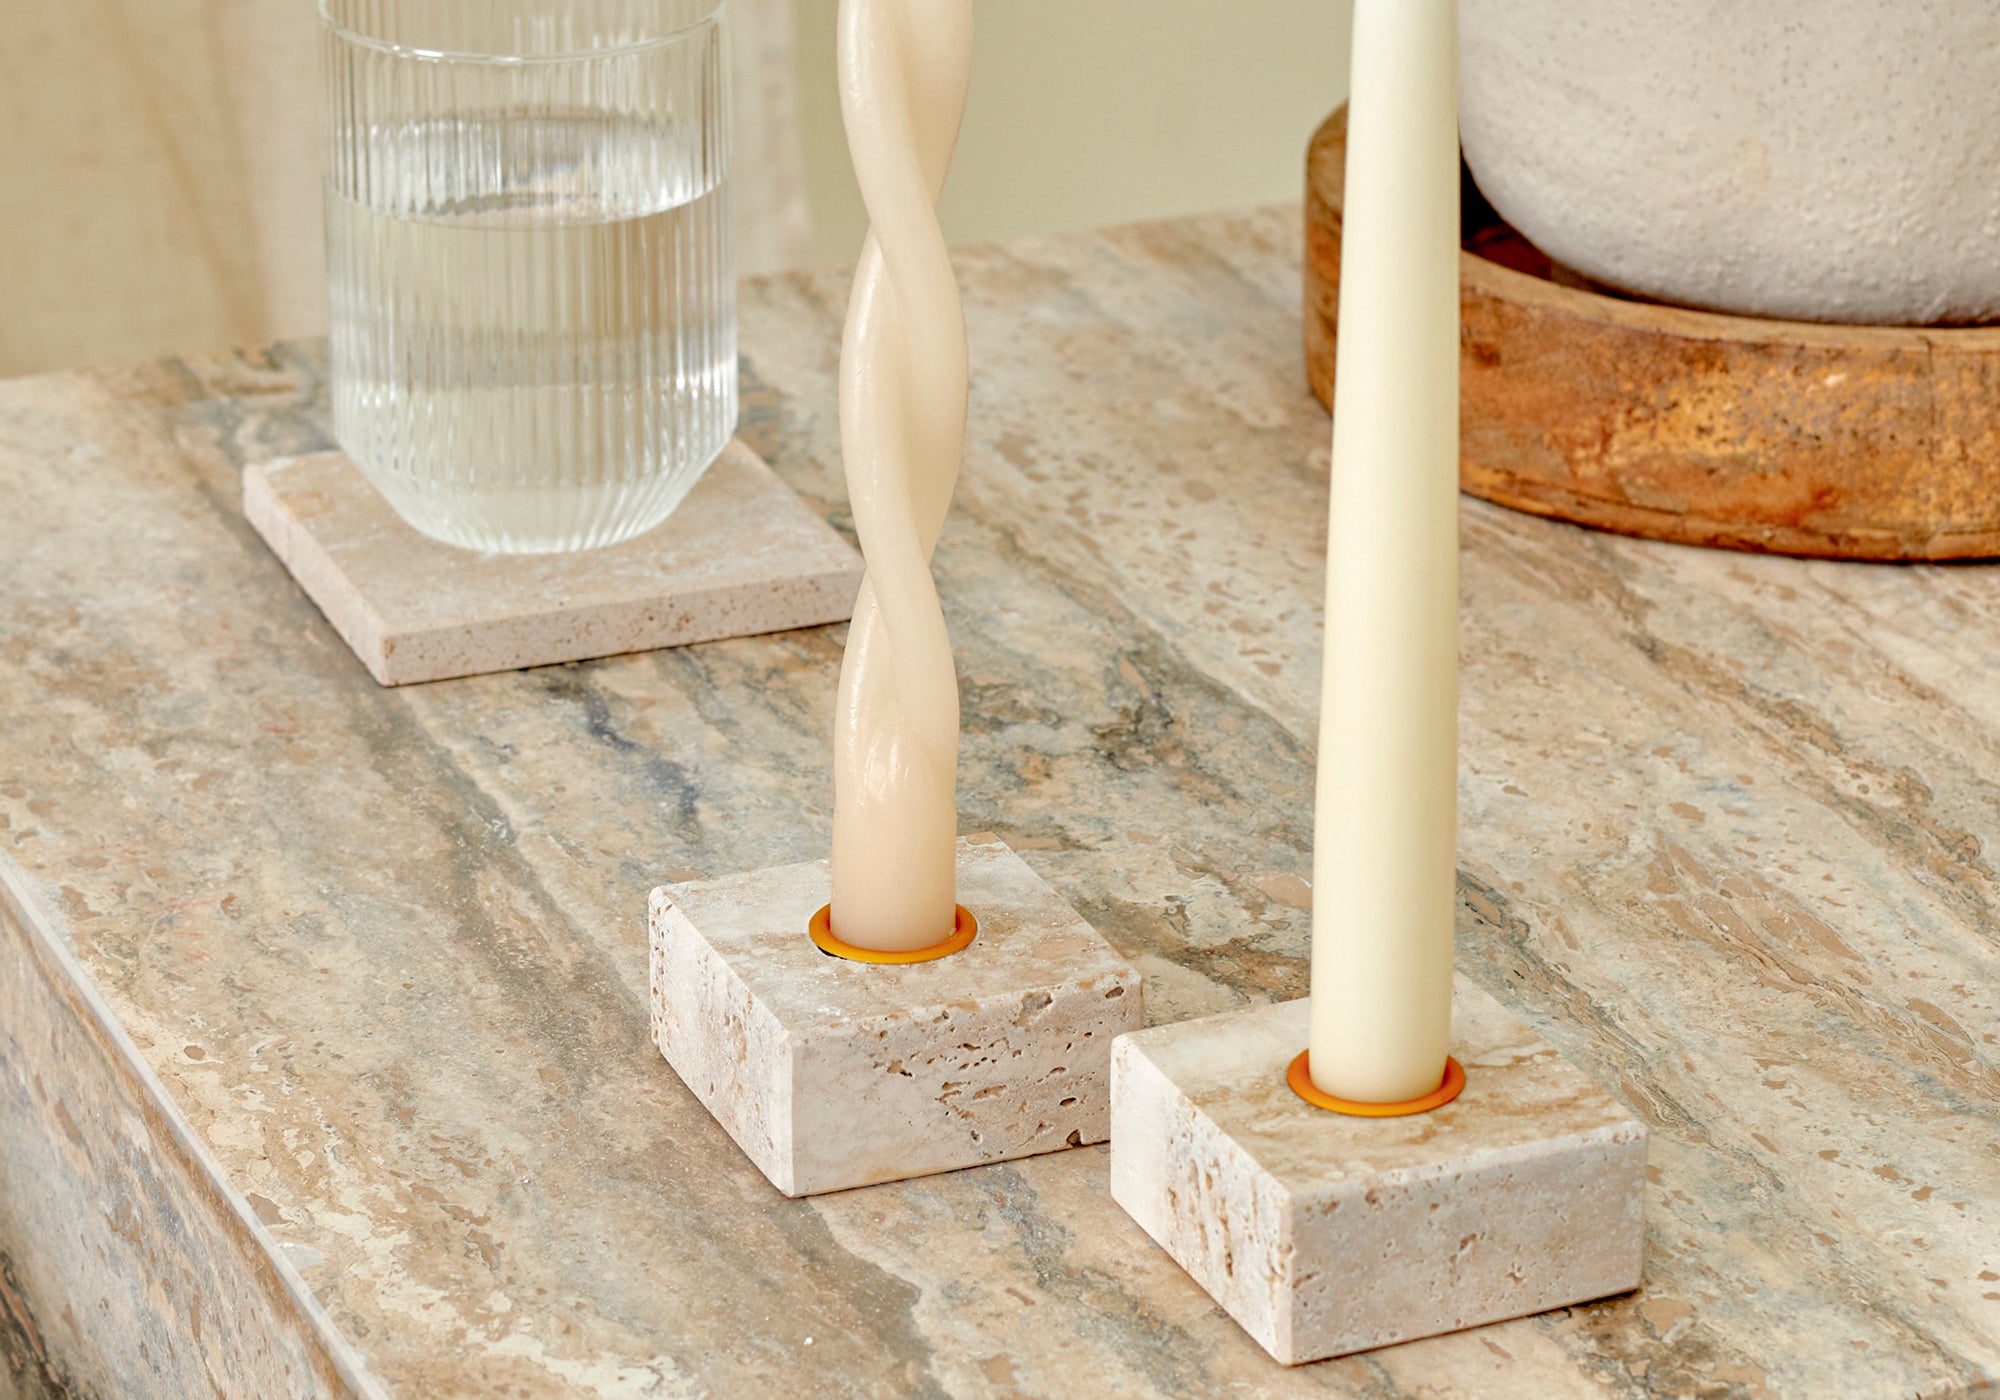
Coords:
100,1023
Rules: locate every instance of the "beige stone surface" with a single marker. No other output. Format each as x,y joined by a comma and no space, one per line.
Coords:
167,1251
1728,846
1322,1234
741,555
831,1074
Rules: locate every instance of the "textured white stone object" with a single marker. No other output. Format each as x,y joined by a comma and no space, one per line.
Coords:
742,554
830,1073
1822,160
1323,1234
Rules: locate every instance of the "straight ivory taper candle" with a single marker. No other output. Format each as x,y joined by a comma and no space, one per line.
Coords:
904,68
1384,851
1405,1211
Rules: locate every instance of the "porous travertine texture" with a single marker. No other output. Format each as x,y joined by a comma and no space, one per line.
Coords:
1728,844
741,555
831,1073
1324,1234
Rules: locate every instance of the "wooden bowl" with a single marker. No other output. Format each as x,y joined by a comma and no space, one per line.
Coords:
1783,437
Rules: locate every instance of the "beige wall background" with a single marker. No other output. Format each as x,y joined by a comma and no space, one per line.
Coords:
159,159
1088,112
159,181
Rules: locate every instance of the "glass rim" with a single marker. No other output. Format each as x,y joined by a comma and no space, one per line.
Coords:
348,34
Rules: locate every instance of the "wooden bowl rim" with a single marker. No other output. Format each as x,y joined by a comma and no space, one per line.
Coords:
1327,175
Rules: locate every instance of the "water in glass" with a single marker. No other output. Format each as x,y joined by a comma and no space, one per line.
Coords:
533,321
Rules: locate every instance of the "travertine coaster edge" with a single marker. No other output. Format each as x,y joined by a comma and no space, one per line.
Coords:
794,570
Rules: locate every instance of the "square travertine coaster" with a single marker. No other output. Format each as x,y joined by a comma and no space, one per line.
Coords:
742,554
831,1073
1323,1234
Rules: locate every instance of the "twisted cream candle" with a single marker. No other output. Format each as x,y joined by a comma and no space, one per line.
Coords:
904,69
1386,820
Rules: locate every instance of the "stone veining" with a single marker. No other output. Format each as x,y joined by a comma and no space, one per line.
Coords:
384,950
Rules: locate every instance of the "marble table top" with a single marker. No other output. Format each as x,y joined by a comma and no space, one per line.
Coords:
323,1050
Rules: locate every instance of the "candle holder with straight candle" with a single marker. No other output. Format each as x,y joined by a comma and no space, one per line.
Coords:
919,1003
1429,1163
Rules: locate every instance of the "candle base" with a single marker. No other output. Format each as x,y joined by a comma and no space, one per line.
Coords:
965,928
1322,1234
1299,1076
831,1073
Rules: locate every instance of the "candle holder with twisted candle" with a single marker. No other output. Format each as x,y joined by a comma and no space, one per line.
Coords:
854,1022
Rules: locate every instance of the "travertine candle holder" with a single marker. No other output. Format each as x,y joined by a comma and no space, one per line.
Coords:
1323,1234
832,1073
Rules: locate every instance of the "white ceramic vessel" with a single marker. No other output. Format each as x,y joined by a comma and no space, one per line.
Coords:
1827,160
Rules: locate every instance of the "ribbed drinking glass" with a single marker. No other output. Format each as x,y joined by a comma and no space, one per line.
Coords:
534,315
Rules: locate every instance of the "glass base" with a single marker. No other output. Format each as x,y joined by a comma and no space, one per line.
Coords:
537,519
